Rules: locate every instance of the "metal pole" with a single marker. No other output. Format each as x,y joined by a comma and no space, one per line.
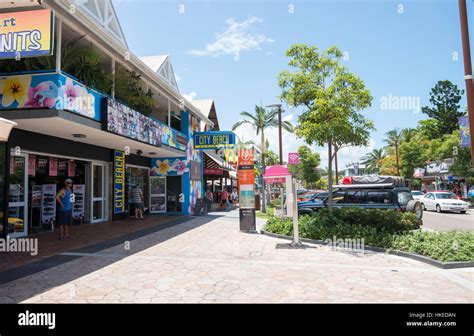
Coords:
279,134
467,71
296,231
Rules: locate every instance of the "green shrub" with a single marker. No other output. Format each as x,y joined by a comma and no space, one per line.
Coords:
444,246
380,228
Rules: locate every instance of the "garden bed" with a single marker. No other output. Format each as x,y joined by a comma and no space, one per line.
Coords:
383,231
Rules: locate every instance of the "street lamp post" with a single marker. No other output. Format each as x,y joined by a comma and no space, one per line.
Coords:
467,71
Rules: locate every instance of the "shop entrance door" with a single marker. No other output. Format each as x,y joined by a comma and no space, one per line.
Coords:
157,194
99,197
18,195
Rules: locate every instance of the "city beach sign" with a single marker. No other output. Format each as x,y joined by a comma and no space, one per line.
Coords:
26,34
214,140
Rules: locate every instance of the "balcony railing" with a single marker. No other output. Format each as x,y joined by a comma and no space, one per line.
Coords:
62,92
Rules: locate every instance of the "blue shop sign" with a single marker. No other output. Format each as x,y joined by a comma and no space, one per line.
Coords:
214,140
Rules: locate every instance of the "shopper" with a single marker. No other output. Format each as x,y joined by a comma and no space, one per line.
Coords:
137,200
64,198
224,198
209,198
235,196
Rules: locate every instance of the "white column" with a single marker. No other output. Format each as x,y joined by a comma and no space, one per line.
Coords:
169,112
59,30
113,78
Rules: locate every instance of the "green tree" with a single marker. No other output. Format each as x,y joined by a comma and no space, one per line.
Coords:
445,98
332,98
271,158
373,160
393,140
260,121
413,154
308,163
429,128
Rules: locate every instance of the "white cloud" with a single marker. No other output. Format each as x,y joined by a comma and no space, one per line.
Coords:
237,37
190,96
346,155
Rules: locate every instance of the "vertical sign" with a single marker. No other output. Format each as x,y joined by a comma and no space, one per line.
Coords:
119,182
464,131
71,169
246,177
48,205
293,158
31,165
78,208
53,166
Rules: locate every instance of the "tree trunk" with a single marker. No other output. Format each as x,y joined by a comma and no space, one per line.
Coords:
330,176
397,158
264,194
336,149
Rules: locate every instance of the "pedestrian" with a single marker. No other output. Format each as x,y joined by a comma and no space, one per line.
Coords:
64,198
137,200
235,196
224,198
209,198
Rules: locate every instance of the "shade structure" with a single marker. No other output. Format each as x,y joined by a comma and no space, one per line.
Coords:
276,174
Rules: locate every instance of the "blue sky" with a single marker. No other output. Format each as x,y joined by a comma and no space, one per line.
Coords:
398,51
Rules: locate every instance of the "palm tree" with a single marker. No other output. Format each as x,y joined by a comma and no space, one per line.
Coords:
407,134
260,121
372,160
393,140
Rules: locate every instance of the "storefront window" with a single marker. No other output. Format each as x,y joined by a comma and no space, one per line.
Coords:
134,176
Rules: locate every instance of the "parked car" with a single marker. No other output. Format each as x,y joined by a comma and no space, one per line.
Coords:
383,192
440,201
417,195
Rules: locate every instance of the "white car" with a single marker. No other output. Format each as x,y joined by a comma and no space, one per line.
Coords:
417,195
440,201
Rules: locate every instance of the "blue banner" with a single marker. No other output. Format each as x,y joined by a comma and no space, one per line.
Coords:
214,140
464,131
119,182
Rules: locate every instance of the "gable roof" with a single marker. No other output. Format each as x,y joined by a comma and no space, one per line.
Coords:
161,65
103,12
208,108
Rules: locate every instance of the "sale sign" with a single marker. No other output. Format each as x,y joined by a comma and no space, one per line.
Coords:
246,177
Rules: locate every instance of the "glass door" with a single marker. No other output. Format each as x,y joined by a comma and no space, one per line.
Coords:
157,194
98,199
18,196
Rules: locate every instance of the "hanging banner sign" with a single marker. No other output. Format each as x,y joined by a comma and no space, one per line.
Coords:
42,166
464,131
31,165
213,171
53,166
62,168
26,34
213,140
71,169
119,182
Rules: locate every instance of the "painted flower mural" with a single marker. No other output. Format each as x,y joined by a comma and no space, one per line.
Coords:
76,98
43,95
163,167
180,166
15,89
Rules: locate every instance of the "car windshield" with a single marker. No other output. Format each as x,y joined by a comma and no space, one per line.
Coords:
417,193
445,196
404,197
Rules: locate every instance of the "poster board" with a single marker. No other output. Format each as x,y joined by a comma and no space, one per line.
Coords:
78,206
48,204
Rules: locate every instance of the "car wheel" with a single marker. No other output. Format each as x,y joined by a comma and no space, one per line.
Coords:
423,206
463,212
438,208
416,208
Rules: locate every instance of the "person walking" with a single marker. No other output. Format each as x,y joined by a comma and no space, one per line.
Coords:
224,198
209,198
235,196
137,200
64,198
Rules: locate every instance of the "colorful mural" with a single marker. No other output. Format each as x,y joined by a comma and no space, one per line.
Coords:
51,91
169,167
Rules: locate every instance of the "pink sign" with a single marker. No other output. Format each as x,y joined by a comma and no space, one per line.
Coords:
71,169
31,165
293,158
53,167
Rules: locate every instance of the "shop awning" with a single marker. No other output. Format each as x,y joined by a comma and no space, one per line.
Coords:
276,174
212,162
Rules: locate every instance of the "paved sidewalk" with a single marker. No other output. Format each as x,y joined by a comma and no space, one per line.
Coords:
207,259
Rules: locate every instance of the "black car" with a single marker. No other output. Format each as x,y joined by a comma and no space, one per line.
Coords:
389,195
